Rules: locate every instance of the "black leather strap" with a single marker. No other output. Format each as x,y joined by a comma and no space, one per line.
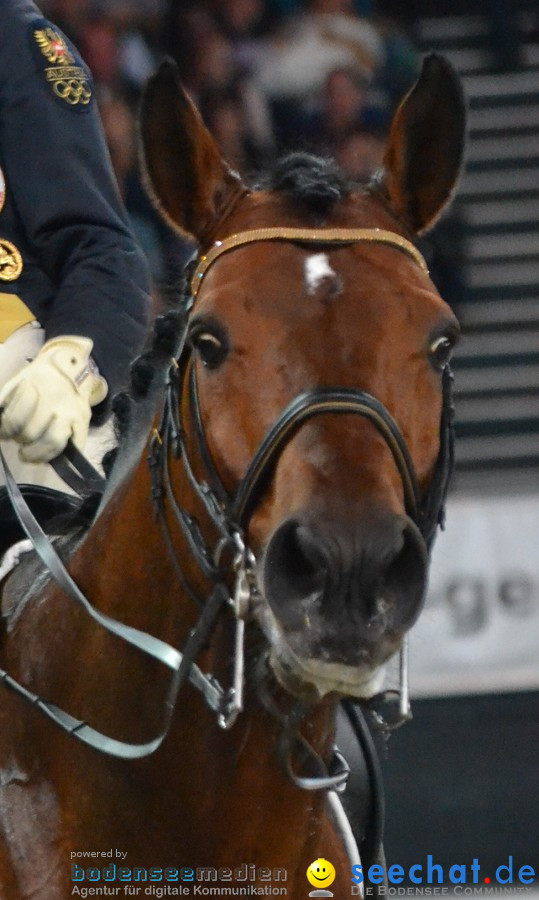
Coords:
433,511
314,403
302,408
77,472
371,847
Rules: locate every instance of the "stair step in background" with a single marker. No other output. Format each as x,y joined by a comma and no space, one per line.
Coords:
497,361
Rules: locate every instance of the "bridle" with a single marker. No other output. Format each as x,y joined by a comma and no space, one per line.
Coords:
231,514
231,560
425,513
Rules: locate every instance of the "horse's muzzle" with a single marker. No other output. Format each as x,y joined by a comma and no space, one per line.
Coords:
345,594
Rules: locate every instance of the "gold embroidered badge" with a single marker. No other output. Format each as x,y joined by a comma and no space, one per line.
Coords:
53,46
10,261
2,190
68,81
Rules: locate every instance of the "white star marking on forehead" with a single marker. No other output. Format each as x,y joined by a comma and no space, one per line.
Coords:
317,268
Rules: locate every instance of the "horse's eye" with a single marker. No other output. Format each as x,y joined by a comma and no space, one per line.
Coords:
441,350
211,349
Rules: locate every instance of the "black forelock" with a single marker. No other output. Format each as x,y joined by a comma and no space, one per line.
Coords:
313,182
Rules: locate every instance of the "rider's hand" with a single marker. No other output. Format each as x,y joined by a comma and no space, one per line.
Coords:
49,401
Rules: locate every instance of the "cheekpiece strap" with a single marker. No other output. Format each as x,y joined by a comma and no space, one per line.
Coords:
337,236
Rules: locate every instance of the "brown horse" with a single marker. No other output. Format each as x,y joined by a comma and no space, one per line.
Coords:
309,391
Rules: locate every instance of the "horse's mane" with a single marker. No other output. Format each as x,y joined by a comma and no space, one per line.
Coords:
132,406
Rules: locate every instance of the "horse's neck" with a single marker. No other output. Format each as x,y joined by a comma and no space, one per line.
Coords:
54,647
222,795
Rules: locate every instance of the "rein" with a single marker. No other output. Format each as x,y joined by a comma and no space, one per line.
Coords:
231,516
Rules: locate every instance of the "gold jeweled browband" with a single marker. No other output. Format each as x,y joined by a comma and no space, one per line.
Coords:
306,236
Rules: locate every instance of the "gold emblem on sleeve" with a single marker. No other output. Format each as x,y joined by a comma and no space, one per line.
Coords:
10,261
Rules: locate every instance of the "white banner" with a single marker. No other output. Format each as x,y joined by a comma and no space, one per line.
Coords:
479,631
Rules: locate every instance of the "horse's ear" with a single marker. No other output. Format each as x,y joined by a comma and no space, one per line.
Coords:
188,180
425,147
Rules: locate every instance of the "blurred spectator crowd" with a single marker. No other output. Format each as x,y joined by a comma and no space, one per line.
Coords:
275,75
269,76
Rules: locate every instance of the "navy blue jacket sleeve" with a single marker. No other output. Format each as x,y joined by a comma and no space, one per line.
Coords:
59,176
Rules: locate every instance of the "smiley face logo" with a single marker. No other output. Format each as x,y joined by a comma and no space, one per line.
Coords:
321,873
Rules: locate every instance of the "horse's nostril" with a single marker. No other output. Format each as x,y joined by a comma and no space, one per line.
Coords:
406,577
307,552
295,569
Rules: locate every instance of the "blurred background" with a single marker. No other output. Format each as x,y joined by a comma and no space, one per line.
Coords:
325,75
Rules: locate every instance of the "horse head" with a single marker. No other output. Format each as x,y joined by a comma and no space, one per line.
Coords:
318,366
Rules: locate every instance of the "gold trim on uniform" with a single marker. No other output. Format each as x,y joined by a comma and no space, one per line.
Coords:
10,261
13,314
69,82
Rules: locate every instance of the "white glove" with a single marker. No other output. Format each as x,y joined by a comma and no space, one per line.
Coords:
49,401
